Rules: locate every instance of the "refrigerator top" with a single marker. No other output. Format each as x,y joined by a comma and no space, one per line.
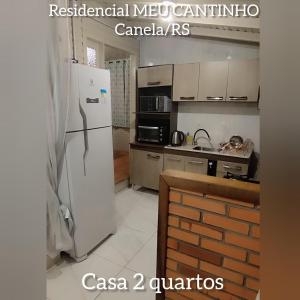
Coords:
90,102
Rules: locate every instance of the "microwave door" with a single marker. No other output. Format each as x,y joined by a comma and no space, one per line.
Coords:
157,104
150,104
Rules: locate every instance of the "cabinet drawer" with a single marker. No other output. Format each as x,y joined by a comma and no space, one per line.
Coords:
235,168
185,87
155,76
196,165
173,162
145,168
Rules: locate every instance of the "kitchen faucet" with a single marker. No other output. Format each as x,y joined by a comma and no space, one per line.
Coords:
201,129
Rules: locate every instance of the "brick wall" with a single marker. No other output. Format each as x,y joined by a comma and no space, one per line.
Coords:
214,237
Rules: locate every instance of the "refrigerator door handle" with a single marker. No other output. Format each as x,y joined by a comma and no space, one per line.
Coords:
85,136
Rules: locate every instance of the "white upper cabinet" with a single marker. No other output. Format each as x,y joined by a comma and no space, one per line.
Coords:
213,81
185,84
155,76
243,81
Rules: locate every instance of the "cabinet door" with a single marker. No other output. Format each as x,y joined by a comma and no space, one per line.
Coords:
173,162
155,76
243,81
213,81
146,168
235,168
185,85
196,165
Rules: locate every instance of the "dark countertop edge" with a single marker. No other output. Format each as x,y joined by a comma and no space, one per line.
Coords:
148,147
162,149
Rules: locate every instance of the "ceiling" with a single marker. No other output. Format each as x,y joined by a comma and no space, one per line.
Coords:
237,29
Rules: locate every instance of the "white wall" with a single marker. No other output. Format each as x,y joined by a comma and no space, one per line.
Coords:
24,93
183,50
92,29
220,119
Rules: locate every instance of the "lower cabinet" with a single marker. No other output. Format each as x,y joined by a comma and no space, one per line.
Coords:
174,162
185,163
223,167
145,168
196,165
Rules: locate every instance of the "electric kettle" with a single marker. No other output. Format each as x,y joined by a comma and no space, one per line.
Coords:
177,138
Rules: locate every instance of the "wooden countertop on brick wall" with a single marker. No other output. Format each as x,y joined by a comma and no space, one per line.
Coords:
209,225
239,190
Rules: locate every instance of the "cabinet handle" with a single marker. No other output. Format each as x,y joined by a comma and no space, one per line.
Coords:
235,168
173,159
243,98
187,98
193,162
148,127
153,156
214,98
153,82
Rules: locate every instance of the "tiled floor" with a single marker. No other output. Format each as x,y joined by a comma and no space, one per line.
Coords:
131,250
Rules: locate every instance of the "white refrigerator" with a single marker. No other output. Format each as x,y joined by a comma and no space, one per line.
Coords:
87,185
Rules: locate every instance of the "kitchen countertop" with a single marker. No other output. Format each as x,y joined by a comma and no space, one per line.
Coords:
187,150
241,154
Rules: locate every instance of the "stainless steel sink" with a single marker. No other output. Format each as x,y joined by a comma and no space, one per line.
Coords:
199,148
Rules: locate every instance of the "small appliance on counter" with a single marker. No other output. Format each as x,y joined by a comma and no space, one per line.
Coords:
177,138
155,131
156,115
155,104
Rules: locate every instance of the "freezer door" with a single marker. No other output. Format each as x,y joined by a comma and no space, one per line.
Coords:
90,105
91,187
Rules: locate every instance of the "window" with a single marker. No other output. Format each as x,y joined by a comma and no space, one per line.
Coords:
91,56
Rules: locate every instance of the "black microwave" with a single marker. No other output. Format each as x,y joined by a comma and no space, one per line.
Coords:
155,104
156,134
